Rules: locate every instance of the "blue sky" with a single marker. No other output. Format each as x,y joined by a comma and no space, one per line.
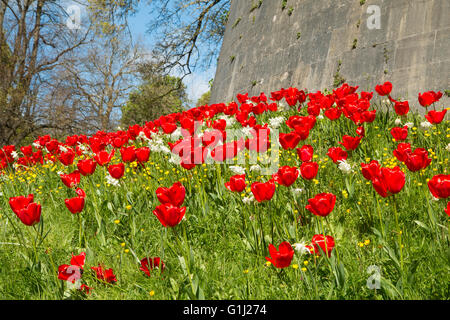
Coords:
198,82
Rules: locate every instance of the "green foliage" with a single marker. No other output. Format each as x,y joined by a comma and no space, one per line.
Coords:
204,99
338,78
156,96
219,250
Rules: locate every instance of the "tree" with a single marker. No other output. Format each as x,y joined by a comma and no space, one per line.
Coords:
189,33
204,99
33,40
157,95
102,78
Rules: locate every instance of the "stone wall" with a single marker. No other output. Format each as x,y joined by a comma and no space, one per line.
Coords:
315,43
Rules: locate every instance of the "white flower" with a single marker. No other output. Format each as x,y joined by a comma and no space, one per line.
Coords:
176,134
36,145
59,173
409,124
237,169
320,117
282,106
425,125
229,120
112,181
255,167
276,122
297,191
15,155
398,121
448,147
247,131
62,148
175,159
248,199
301,248
344,166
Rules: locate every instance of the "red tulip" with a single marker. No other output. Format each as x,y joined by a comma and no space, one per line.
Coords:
71,179
447,211
20,202
302,132
439,186
263,191
142,154
128,154
399,133
350,143
236,183
73,271
104,274
417,160
116,170
289,140
326,244
168,127
86,167
428,98
103,157
371,170
384,89
390,181
148,264
75,205
286,176
333,113
305,153
337,154
322,204
309,170
435,117
66,158
282,257
174,195
169,215
30,215
401,107
402,151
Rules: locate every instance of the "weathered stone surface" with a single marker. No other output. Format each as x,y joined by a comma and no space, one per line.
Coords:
270,48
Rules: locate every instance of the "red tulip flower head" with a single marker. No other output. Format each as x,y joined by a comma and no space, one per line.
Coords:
174,195
399,133
263,191
384,89
286,176
25,209
389,181
169,215
72,179
73,271
322,204
350,143
309,170
435,117
282,257
103,274
337,154
305,153
148,264
326,244
87,167
236,183
439,186
116,170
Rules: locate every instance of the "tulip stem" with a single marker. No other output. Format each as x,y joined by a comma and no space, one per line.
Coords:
399,237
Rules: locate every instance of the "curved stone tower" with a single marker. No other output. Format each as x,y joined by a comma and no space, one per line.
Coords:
316,44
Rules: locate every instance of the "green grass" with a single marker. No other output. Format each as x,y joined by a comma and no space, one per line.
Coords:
218,251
